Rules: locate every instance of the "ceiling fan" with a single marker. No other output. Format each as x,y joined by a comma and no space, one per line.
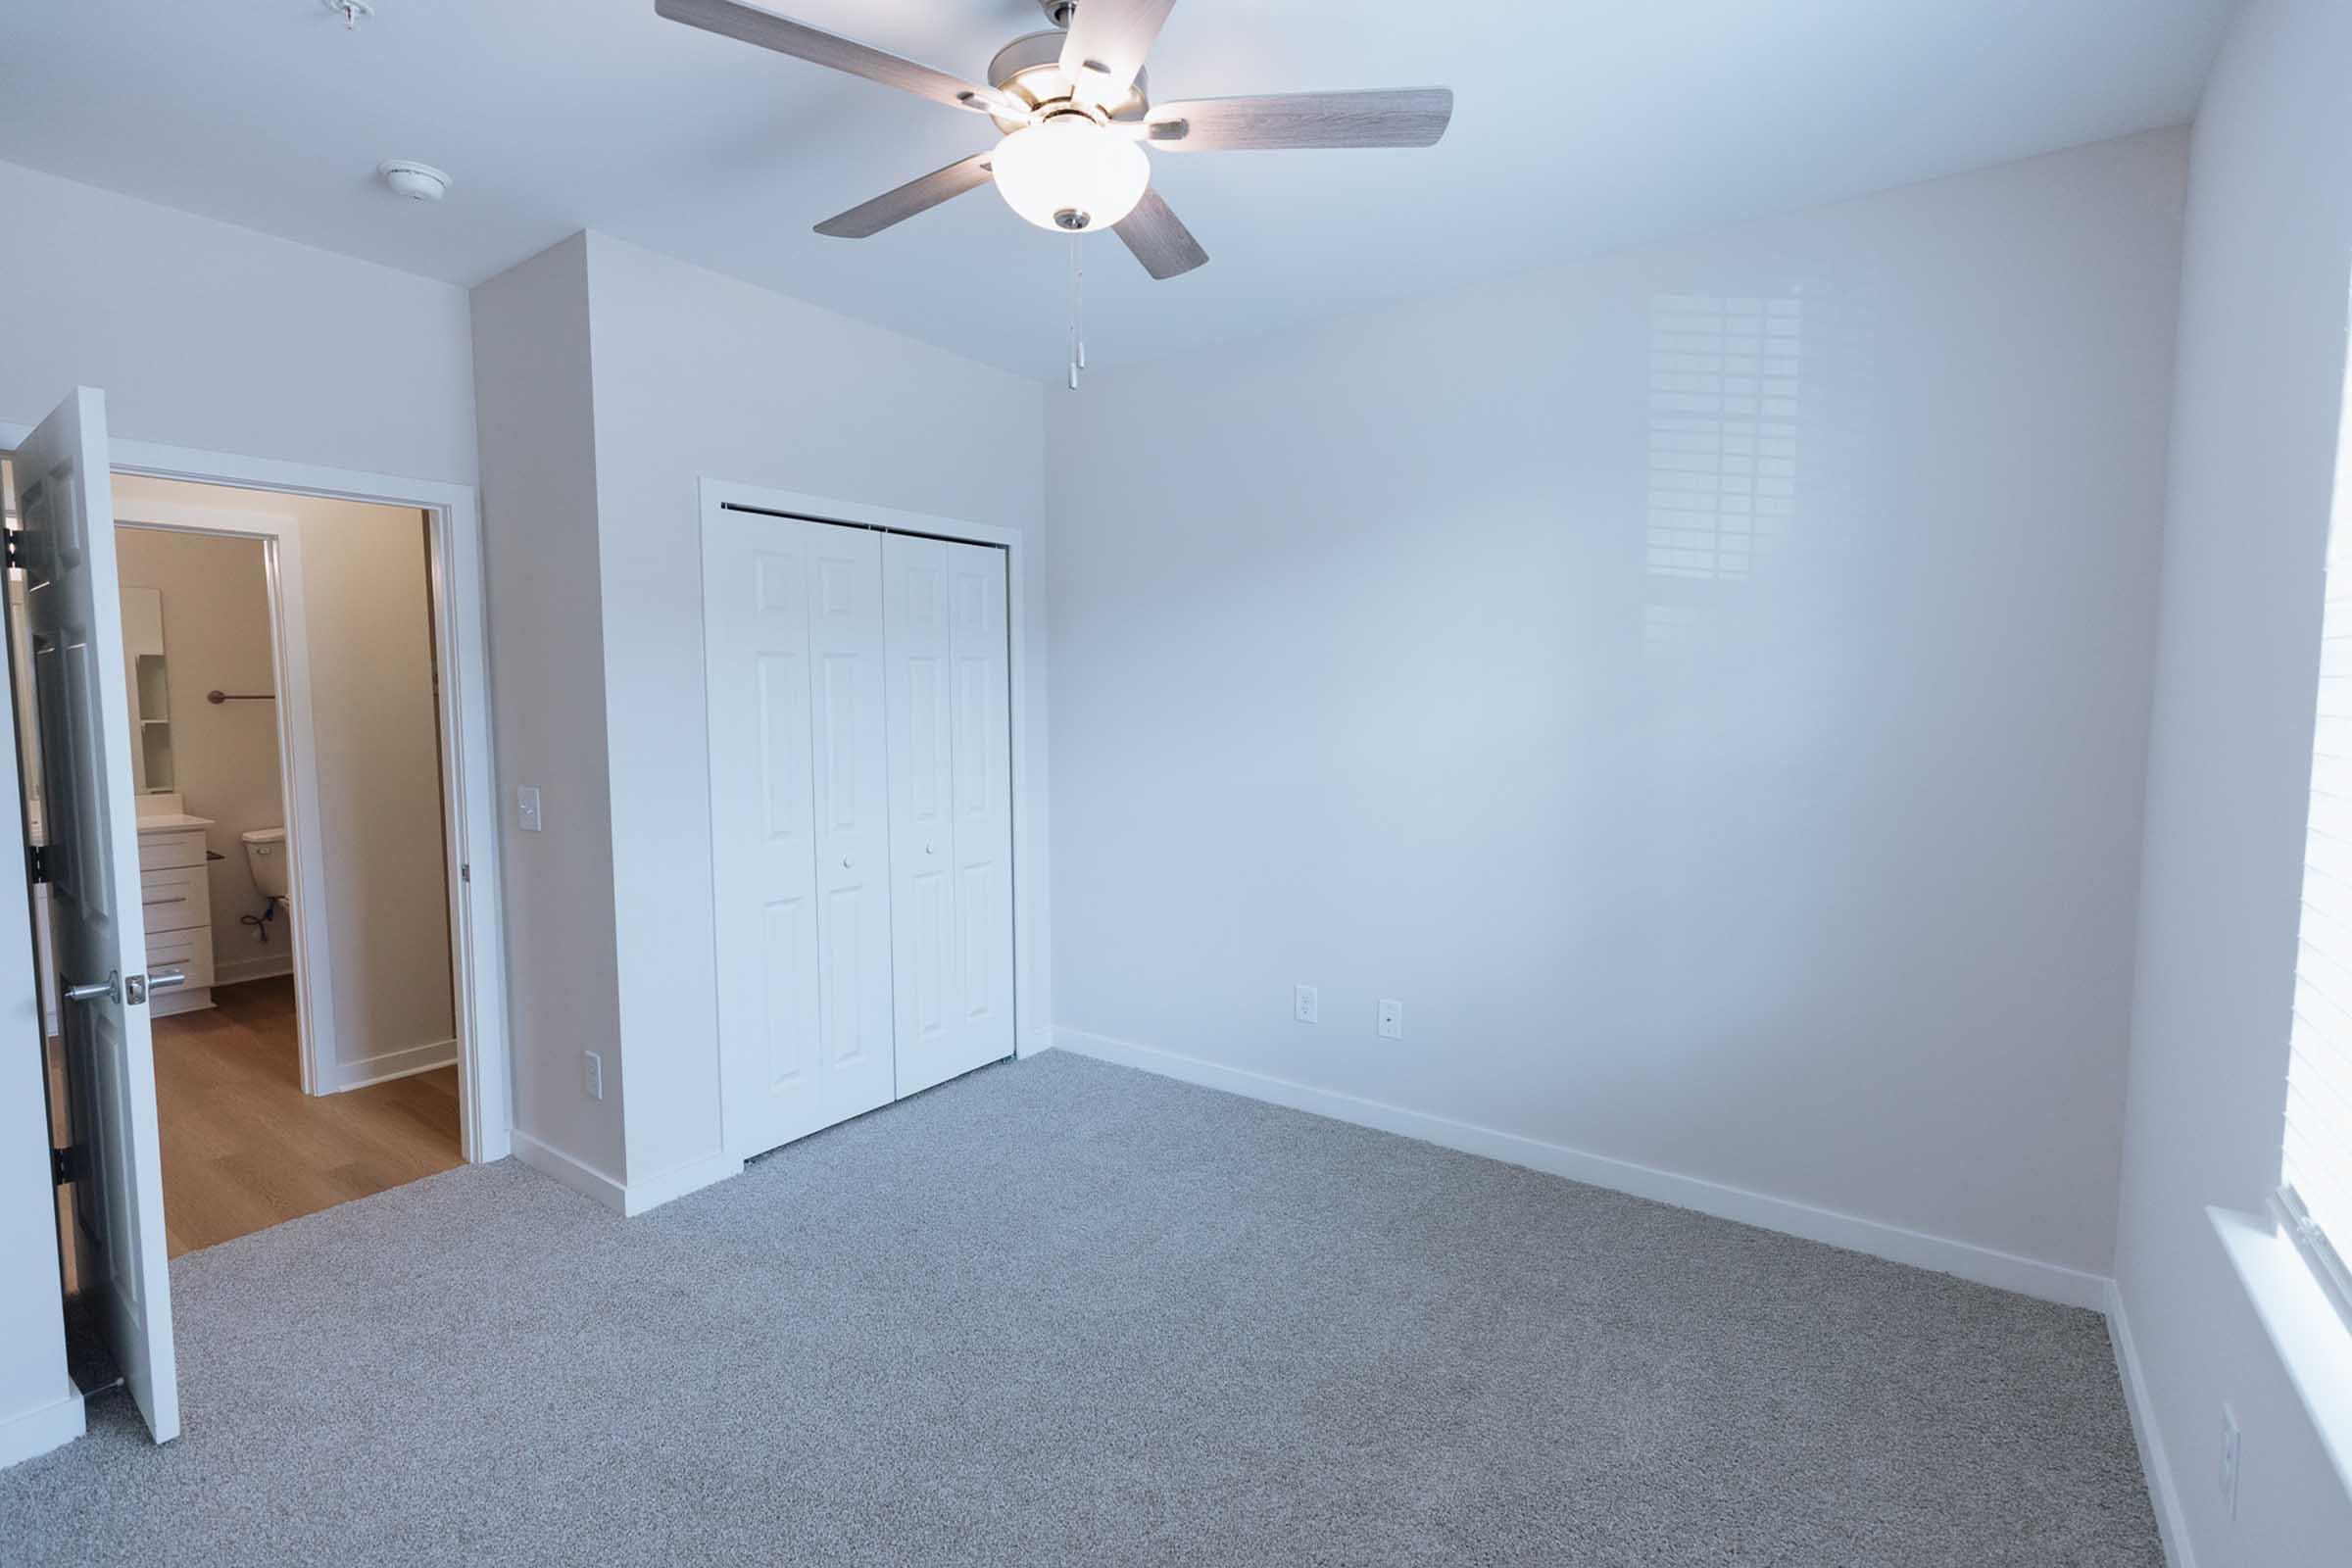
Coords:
1076,119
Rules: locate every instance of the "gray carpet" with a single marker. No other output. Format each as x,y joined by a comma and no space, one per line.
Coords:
1065,1313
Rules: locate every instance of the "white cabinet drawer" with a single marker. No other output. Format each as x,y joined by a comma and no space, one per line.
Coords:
190,951
176,900
159,851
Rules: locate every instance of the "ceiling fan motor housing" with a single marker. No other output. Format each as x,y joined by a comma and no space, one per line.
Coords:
1030,69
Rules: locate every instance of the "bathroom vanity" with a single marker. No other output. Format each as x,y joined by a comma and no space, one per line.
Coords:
176,892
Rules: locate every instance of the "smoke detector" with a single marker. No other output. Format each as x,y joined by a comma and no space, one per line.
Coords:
420,183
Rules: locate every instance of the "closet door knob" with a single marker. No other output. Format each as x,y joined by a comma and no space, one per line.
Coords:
844,862
926,849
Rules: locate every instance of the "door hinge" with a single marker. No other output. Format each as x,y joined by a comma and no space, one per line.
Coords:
464,872
61,1165
36,862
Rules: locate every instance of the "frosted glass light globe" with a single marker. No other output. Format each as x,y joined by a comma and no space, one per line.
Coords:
1069,174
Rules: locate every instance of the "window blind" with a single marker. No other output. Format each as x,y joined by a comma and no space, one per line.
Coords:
2317,1166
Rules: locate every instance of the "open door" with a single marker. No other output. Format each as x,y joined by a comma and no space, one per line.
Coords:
91,863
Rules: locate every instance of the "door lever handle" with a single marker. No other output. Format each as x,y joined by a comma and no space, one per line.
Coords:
91,990
136,989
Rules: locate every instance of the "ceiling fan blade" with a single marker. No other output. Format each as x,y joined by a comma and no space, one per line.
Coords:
915,196
1160,239
734,18
1107,45
1407,116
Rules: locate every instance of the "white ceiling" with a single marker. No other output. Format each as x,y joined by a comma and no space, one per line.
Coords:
1581,125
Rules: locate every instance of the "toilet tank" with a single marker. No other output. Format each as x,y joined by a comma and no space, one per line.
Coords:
266,858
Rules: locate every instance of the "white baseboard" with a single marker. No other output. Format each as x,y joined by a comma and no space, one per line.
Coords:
2028,1276
653,1191
32,1432
581,1178
390,1064
236,971
2172,1519
629,1198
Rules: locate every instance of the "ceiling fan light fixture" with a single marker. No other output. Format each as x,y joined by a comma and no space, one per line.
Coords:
1070,176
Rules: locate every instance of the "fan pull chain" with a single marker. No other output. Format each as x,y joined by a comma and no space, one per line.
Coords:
1077,313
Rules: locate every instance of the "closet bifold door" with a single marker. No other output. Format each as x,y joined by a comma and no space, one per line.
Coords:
800,810
950,796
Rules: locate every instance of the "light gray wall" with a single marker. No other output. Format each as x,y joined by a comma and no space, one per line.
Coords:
698,375
2268,259
547,678
366,597
207,335
1816,882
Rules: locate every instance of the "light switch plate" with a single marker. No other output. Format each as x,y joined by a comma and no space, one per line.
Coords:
1392,1020
526,807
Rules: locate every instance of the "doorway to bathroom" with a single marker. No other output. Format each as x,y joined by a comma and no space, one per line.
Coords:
281,675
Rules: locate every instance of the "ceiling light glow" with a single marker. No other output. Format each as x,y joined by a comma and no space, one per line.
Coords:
1069,174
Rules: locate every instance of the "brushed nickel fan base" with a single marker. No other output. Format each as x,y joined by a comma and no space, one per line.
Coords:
1029,69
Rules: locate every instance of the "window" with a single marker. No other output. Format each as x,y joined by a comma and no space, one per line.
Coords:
2316,1169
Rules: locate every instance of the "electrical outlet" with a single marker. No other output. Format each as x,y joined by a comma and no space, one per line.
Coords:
2230,1461
526,808
1305,1006
1392,1020
592,1074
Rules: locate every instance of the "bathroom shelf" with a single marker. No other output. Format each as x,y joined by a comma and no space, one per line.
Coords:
150,690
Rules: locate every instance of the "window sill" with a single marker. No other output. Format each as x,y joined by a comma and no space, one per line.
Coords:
2300,1317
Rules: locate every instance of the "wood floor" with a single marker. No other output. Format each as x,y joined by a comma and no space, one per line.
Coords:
244,1147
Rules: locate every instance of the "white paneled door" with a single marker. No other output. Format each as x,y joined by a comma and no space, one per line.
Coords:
862,817
951,769
73,611
800,824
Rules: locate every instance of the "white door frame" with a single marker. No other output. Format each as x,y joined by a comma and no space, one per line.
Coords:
469,788
1033,1032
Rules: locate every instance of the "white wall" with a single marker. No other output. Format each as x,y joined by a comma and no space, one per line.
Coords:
2269,261
216,598
368,631
1816,882
547,663
698,375
207,335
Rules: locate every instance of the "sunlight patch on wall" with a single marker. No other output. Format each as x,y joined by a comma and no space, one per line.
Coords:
1725,379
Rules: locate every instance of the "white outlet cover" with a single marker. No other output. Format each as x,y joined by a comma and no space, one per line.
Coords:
526,807
592,1074
1306,1007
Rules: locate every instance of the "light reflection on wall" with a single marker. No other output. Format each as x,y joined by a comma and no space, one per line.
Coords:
1725,380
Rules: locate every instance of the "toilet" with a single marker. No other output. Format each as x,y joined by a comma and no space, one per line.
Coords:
266,858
